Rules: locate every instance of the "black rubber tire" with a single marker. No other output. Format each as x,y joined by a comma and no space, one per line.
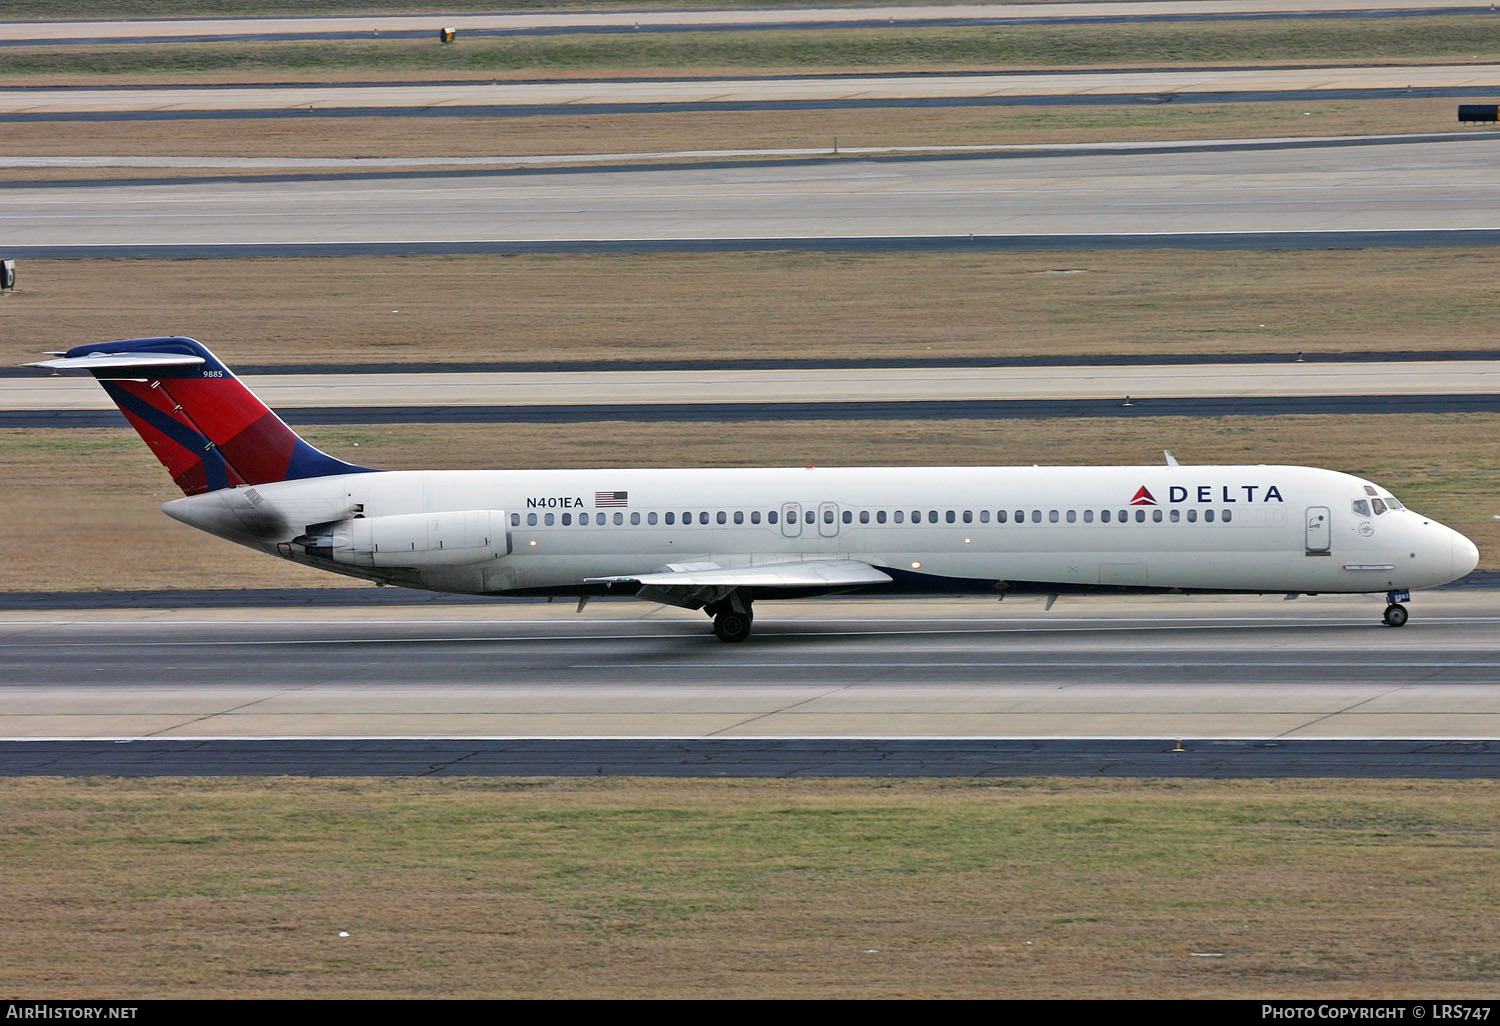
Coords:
1395,615
731,627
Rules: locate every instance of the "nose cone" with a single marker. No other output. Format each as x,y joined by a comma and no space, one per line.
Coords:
1465,555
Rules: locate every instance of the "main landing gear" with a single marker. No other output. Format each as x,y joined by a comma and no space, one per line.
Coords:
1395,613
733,618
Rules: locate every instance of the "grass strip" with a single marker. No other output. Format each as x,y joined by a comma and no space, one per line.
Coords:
488,308
692,131
831,888
929,49
66,10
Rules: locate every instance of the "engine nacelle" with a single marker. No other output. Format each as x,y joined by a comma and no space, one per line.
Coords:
456,538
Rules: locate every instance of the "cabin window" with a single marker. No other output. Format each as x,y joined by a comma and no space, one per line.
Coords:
932,516
1156,516
635,519
1124,516
515,520
567,519
984,516
772,517
1228,515
671,519
968,516
828,516
809,517
651,519
721,517
703,517
755,516
531,520
1104,516
1140,516
950,516
864,516
880,516
739,517
547,519
1377,506
1001,516
916,516
1072,516
1088,516
848,517
1208,516
1192,516
1052,516
900,516
1175,515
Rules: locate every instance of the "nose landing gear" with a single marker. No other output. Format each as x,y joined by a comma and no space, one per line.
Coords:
1395,613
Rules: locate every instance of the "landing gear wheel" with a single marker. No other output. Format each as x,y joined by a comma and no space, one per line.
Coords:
1395,615
731,626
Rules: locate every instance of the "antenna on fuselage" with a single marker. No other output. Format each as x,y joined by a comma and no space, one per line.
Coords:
1171,460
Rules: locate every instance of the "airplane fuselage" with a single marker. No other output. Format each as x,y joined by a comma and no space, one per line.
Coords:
1190,528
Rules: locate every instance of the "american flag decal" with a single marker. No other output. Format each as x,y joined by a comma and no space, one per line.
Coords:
611,499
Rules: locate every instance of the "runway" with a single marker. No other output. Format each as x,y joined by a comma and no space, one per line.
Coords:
628,95
1436,186
814,385
765,757
1151,668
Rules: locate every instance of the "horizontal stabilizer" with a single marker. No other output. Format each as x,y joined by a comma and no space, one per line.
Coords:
823,573
102,361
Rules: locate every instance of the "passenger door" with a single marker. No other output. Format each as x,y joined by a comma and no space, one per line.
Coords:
1319,531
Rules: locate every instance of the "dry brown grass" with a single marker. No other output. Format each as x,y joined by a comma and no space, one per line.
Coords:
637,133
828,888
80,508
764,305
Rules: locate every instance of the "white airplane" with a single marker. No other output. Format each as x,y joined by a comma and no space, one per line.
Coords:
718,540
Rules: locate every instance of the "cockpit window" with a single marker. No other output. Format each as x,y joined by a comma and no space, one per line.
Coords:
1390,500
1379,506
1362,507
1369,490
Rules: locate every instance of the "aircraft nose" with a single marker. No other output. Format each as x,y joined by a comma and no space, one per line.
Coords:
1465,555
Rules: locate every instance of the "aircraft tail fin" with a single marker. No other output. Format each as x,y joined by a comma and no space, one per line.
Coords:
203,424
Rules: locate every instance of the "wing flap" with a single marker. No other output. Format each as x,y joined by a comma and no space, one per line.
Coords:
821,573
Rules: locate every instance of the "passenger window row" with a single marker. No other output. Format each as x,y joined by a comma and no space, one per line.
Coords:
880,516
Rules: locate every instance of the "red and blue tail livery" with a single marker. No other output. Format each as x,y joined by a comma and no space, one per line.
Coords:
203,424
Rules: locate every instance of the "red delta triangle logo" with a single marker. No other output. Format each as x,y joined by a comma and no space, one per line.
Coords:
1143,497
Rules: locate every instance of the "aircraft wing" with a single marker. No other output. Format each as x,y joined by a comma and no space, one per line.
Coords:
820,573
